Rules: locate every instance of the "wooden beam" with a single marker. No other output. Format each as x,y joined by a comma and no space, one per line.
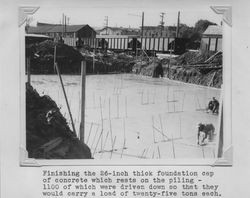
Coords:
83,82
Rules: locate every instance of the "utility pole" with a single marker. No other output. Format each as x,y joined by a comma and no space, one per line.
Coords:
142,24
142,27
106,23
68,20
65,24
62,24
162,21
178,24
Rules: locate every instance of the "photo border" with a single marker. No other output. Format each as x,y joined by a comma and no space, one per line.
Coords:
225,145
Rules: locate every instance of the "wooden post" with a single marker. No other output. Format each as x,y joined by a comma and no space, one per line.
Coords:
216,44
209,43
83,79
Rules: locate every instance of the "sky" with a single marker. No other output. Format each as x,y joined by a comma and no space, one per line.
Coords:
125,13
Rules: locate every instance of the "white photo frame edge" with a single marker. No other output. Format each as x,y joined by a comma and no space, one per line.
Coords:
226,160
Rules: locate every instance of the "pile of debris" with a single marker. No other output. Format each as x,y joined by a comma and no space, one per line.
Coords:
192,58
107,62
191,67
42,57
152,68
194,76
48,135
69,59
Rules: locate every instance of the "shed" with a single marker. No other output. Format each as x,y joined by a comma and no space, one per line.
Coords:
212,39
71,34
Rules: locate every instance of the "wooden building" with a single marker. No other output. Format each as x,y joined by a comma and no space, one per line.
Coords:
212,39
71,34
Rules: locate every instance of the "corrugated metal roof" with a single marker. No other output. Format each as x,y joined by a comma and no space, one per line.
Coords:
213,30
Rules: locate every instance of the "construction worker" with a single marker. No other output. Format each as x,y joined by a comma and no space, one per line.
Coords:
213,106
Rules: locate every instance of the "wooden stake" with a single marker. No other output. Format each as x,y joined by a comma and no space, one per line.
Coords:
124,131
153,128
117,106
159,152
203,154
66,99
174,99
111,134
148,97
89,132
123,147
173,146
109,109
142,153
98,141
101,111
142,97
126,107
113,145
161,127
105,141
183,101
180,126
93,99
94,137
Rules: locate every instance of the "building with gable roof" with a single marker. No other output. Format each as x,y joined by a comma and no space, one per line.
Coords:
70,34
212,39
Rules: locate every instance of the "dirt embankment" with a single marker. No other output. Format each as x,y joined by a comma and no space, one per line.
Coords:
191,67
69,59
48,135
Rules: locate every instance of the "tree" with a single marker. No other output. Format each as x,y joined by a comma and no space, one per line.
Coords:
199,28
202,25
